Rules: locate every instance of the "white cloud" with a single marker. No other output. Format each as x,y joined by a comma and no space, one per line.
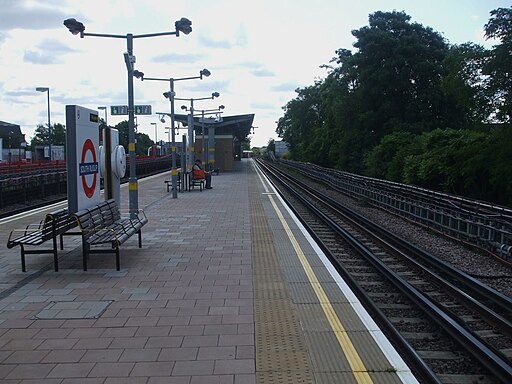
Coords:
259,52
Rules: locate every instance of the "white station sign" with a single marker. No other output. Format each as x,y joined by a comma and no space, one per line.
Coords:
83,159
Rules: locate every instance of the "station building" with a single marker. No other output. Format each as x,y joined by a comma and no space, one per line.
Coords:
229,134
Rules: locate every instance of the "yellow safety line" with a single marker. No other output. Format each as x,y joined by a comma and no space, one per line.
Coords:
356,364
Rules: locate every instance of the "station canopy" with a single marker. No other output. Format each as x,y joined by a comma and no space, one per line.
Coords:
239,126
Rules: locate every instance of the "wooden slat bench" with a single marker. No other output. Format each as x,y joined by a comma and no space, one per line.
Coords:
53,225
103,224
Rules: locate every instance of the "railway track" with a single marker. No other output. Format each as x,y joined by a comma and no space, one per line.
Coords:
41,186
483,225
449,327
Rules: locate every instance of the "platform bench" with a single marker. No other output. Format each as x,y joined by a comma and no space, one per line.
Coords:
103,224
54,225
169,184
193,182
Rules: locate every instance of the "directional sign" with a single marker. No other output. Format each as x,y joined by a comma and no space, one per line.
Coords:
123,110
143,109
119,110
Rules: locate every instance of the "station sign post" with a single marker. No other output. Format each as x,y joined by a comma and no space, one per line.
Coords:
82,138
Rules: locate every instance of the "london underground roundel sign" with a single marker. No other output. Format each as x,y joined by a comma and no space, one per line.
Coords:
88,166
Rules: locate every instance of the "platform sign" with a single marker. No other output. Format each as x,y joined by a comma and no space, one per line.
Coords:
143,109
119,110
82,136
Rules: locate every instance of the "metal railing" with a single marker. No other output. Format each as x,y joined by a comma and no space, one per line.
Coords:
25,186
481,223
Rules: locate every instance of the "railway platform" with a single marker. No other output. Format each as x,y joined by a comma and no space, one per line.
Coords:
227,288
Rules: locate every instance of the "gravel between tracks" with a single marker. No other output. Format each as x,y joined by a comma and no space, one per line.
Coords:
479,264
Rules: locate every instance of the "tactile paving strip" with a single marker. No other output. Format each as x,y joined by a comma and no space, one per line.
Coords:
281,353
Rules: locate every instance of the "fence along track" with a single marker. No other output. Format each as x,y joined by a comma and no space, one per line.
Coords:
480,224
26,190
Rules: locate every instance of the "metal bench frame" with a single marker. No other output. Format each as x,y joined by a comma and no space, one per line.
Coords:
54,224
104,224
193,182
169,184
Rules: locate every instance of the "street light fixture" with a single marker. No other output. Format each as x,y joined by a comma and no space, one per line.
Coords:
104,109
211,140
168,129
170,95
184,26
156,133
46,89
190,148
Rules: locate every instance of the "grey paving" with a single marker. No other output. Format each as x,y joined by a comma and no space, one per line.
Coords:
179,311
183,309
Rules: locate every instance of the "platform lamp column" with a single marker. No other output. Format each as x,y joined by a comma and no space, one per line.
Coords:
156,134
104,109
211,142
168,130
190,148
47,90
174,170
171,96
75,27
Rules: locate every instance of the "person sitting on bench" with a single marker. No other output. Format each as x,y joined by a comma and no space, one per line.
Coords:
199,173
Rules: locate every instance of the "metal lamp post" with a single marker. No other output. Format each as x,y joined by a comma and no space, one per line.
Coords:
204,158
184,26
47,90
170,95
168,129
190,148
156,133
104,109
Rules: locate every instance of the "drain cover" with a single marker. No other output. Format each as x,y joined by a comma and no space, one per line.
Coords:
73,310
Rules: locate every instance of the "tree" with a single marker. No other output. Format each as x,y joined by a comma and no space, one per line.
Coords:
301,117
271,146
467,103
143,140
499,66
41,135
387,159
452,161
399,66
246,144
257,151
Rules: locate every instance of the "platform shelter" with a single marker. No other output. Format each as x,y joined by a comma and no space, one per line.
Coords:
229,134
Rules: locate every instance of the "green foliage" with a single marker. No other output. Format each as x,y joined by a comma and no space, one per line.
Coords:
450,160
399,67
500,63
407,106
386,160
301,117
246,144
271,146
143,140
41,135
257,151
286,156
498,159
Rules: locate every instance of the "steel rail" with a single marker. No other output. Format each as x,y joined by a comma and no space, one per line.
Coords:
495,362
497,298
413,360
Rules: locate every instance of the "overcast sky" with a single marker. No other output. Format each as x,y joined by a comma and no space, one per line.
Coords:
258,51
